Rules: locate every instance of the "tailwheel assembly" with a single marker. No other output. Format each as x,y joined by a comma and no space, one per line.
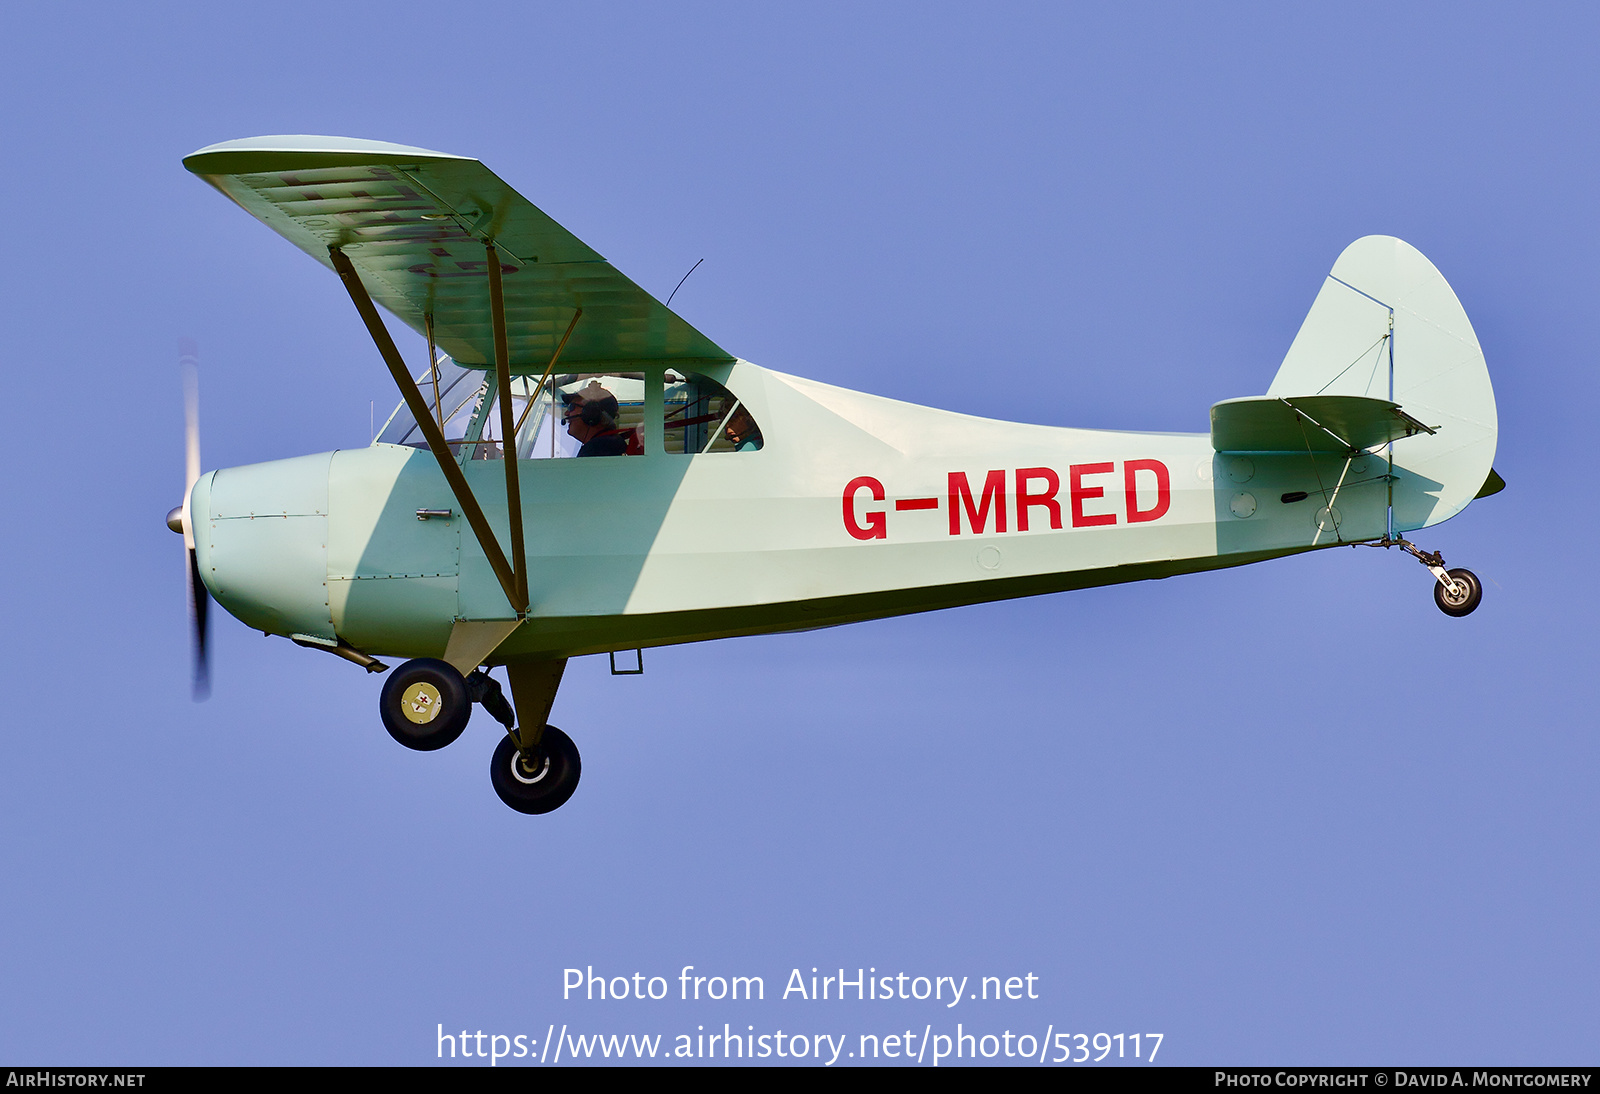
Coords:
539,776
1457,592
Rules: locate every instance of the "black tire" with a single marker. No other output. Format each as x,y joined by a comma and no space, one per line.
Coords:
540,787
1464,601
425,704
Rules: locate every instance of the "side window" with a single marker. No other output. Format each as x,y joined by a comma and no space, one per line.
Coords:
703,416
582,414
576,414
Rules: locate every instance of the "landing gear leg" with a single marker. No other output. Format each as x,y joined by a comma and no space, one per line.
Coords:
1457,592
484,690
536,766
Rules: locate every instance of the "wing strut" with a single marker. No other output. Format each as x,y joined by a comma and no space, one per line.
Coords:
509,580
433,370
539,387
508,432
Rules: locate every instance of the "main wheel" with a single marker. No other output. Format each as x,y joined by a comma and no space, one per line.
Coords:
1469,590
541,783
425,704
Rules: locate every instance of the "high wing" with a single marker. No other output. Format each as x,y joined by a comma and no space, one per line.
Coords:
415,223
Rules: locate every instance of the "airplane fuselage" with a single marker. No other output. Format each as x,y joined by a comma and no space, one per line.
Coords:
857,507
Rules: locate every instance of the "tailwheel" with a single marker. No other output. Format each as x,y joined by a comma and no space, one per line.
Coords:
1457,592
1461,596
425,704
539,779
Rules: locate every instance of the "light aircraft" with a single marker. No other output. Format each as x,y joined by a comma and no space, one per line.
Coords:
738,500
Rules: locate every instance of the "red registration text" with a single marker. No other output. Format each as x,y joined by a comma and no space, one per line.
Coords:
1025,499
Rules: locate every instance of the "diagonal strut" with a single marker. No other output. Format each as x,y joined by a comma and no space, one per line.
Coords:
515,589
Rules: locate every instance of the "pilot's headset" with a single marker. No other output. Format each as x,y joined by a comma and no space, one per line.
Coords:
597,407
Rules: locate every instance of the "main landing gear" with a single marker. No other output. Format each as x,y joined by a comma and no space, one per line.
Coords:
426,704
536,776
1457,592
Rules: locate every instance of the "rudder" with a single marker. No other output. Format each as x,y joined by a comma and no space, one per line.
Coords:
1386,325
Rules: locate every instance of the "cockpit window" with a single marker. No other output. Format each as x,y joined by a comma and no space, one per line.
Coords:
471,417
450,386
703,416
575,414
587,414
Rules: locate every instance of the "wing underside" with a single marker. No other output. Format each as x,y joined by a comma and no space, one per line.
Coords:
415,223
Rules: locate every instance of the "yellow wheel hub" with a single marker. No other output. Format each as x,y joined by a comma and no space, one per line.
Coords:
421,703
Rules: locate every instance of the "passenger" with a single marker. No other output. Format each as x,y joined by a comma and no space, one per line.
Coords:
742,431
592,421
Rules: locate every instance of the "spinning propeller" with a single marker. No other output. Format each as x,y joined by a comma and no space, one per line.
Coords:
181,520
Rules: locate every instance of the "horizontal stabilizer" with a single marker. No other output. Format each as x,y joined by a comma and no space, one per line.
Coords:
1318,423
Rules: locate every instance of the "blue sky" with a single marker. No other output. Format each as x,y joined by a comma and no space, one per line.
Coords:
1288,813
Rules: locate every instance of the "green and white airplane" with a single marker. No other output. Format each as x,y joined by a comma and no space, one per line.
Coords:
736,500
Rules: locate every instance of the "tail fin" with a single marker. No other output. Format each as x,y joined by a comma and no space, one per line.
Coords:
1387,325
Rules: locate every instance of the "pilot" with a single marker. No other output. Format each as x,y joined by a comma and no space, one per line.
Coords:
592,422
742,431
